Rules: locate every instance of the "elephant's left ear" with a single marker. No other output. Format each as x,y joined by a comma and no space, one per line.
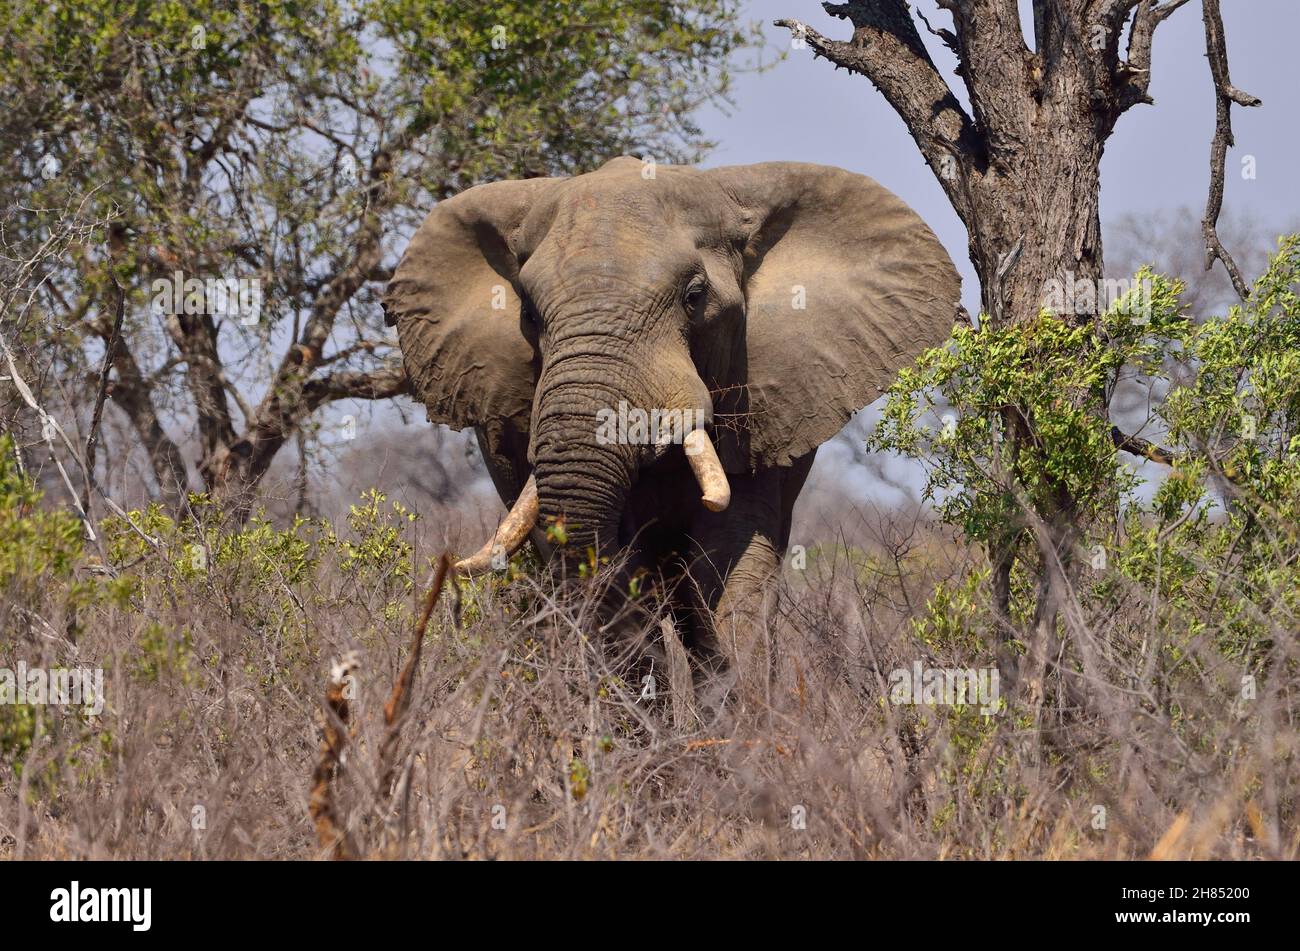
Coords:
844,285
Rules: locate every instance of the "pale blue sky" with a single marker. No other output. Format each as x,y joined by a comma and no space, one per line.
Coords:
804,110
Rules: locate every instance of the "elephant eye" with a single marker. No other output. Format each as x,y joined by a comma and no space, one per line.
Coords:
693,295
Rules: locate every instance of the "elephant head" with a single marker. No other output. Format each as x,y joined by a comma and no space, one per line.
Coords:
772,300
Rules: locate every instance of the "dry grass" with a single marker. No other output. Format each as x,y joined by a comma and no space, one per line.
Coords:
526,735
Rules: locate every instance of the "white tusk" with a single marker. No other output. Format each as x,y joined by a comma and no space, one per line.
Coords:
708,470
510,535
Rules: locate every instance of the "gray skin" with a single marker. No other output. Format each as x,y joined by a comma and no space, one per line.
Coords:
778,299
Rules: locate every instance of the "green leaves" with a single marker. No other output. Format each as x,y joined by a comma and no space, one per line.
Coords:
295,143
1242,410
1218,540
1043,380
38,545
1226,525
558,87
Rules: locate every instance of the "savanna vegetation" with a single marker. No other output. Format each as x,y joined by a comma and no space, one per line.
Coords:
281,683
1158,717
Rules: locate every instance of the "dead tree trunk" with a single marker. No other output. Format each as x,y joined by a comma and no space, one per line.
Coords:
1022,166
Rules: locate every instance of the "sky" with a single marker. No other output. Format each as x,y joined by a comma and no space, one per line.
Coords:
1158,158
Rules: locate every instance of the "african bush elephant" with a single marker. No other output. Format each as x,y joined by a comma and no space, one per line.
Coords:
774,300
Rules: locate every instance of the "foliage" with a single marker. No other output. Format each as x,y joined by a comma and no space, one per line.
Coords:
296,145
257,585
1219,540
37,545
40,548
215,666
988,375
1182,606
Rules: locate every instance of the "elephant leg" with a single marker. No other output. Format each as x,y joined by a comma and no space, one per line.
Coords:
741,621
733,571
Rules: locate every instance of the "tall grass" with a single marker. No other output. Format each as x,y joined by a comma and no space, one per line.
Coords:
531,734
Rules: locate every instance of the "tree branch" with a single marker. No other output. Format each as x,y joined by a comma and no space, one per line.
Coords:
49,429
132,393
1137,446
1133,77
996,66
295,393
888,50
331,831
101,393
1225,95
378,384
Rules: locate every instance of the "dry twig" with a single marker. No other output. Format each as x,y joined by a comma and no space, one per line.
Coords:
329,830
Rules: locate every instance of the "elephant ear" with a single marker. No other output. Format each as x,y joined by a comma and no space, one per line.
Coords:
455,302
844,285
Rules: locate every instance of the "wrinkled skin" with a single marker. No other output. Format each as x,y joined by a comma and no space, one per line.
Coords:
776,299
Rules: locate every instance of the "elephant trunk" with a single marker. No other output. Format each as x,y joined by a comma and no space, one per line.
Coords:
581,480
586,491
586,463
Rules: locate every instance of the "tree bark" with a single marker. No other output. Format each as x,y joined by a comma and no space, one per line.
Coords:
237,468
131,393
1022,170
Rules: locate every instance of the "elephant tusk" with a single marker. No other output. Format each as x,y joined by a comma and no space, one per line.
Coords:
510,535
708,470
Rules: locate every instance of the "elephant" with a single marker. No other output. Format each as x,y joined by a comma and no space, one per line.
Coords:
767,303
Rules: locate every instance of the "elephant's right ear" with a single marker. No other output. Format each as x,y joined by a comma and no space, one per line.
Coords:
455,302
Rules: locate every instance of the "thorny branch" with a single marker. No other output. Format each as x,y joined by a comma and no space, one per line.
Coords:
400,699
329,831
335,722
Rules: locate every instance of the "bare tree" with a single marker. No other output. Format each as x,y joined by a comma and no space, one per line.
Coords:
1021,166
